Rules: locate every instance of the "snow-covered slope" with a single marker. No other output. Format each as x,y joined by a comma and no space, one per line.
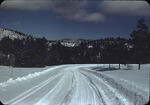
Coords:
11,34
78,85
71,42
67,42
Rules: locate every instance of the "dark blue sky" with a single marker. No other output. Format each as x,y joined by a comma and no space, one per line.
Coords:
59,25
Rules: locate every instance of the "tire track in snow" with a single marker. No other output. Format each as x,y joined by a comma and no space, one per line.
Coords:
18,87
107,88
100,91
31,91
125,96
68,97
95,90
106,94
29,76
84,88
56,96
73,85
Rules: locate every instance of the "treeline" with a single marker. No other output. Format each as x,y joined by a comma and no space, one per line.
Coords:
36,52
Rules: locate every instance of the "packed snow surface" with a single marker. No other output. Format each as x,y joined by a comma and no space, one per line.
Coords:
78,84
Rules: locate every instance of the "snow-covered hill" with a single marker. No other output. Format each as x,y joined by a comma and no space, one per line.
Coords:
86,84
15,34
71,42
68,42
11,34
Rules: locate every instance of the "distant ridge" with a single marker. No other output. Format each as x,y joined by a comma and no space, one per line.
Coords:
12,34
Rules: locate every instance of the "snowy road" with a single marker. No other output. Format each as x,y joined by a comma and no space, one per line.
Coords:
67,85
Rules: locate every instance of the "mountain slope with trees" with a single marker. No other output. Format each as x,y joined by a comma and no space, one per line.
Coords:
28,51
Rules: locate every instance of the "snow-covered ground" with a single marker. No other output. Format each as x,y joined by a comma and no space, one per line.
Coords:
7,72
78,84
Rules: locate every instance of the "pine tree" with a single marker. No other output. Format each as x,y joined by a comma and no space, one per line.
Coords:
6,45
140,41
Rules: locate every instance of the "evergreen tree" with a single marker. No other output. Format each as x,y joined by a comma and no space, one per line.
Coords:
140,40
6,45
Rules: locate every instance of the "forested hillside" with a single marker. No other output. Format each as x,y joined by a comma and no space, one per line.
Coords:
28,51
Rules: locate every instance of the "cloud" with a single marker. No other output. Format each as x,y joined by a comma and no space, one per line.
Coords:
26,4
133,8
85,17
74,10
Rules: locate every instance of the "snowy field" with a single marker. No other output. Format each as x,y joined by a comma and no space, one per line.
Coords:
78,84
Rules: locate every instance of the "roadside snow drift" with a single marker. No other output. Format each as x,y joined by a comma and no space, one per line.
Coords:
89,84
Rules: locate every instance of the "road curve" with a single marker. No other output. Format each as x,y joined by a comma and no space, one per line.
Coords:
67,85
